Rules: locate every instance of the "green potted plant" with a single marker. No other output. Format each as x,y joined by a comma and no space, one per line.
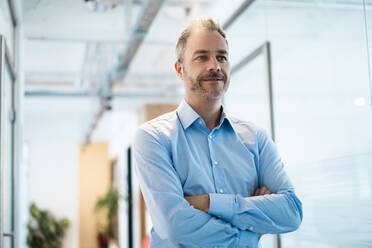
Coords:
109,202
44,230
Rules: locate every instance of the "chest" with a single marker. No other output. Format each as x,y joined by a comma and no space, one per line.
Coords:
214,163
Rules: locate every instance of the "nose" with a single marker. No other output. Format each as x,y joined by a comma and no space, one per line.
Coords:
213,65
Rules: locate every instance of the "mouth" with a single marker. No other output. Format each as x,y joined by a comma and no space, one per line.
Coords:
212,79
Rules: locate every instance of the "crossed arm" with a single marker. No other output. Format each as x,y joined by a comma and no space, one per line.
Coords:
202,202
279,212
172,216
226,219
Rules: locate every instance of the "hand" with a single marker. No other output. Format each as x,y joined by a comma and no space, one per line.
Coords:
200,202
262,191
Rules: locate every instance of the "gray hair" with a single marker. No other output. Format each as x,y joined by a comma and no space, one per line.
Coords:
205,23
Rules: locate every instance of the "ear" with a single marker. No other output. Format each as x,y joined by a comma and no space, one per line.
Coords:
179,69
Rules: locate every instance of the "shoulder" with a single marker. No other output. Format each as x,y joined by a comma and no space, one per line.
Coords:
244,126
245,129
249,133
159,129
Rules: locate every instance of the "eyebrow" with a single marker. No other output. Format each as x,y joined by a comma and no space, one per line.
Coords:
221,51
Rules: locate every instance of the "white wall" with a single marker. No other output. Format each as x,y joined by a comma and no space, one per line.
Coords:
53,183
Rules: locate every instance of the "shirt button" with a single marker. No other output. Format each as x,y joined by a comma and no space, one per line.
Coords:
215,162
200,122
221,190
219,217
251,228
210,136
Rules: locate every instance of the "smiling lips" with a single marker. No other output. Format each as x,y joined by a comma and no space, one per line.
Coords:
212,79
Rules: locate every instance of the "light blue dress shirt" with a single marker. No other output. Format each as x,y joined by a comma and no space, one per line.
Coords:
176,155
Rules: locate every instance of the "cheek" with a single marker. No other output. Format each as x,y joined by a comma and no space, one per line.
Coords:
193,72
226,67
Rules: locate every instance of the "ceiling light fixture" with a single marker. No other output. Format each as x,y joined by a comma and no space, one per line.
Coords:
102,5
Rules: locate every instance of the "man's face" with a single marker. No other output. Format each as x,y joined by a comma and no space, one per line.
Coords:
205,68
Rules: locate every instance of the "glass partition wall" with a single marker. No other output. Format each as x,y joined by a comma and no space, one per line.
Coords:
7,205
322,109
7,123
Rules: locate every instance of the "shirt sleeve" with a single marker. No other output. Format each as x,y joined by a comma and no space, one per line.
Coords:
173,217
279,212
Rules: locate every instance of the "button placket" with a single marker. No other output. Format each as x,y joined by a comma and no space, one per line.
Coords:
215,170
214,162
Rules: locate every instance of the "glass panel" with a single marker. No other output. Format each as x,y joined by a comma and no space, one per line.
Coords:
323,122
8,242
247,33
322,113
246,98
8,162
367,9
6,27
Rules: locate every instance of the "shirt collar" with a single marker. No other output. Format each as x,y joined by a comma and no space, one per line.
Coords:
188,116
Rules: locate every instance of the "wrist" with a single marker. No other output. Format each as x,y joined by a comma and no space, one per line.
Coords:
207,203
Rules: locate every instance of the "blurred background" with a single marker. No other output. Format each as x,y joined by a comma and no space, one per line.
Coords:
78,77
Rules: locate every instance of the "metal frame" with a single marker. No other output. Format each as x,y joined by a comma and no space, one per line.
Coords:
130,198
263,50
368,53
245,5
2,69
12,13
10,63
6,64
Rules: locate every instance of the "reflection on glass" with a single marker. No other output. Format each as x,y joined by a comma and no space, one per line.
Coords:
6,27
246,98
247,32
8,163
368,25
322,116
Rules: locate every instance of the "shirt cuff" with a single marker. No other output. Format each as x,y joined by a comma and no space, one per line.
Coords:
248,239
222,205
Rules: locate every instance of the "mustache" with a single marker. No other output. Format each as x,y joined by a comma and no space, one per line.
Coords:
212,75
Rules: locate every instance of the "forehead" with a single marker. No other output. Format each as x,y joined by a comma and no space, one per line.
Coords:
201,39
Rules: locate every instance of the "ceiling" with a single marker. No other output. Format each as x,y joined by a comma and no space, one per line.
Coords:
69,50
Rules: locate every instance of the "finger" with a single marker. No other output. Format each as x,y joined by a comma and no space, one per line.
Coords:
260,234
262,190
256,192
267,192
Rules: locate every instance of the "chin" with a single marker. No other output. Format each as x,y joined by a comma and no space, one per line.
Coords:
214,96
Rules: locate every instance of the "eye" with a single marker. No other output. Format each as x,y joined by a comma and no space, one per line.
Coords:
222,58
202,58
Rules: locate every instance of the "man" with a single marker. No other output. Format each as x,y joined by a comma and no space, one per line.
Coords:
210,180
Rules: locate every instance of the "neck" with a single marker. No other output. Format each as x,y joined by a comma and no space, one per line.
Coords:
208,109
